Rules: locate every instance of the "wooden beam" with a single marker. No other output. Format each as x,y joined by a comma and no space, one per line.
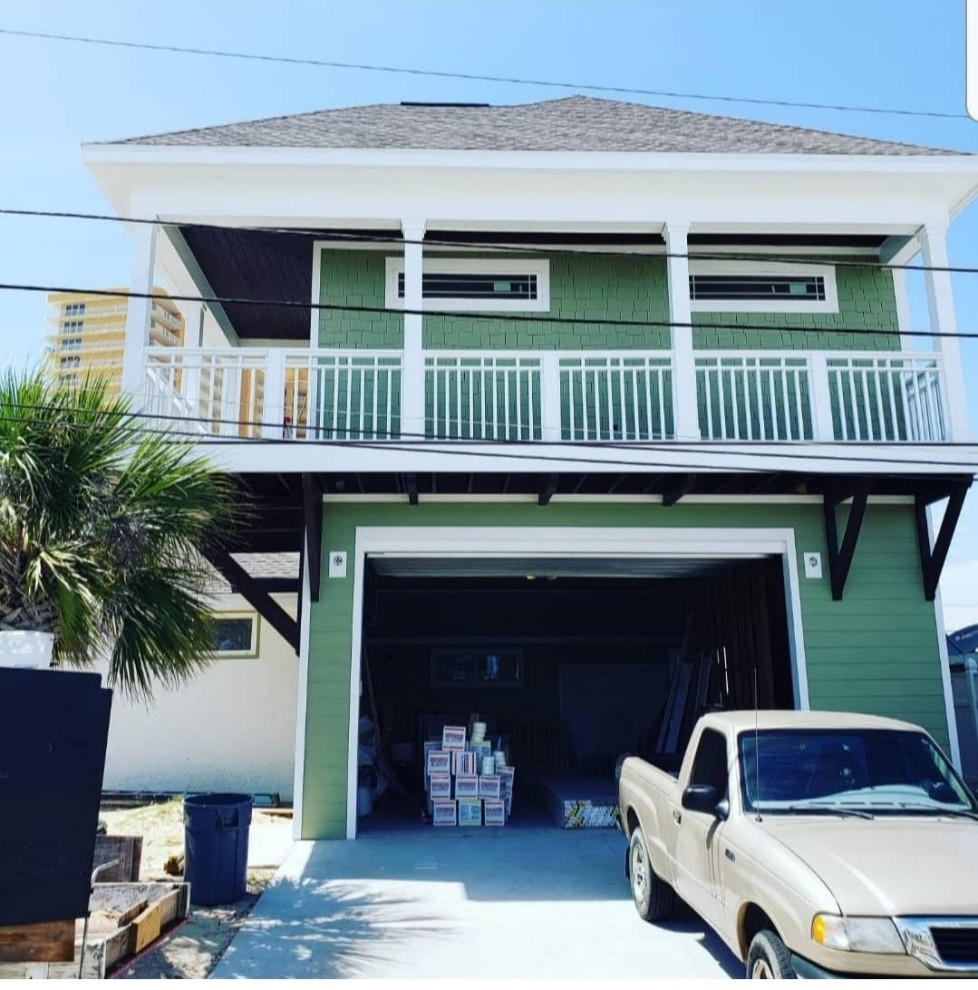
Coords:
255,595
312,515
840,558
671,494
932,559
548,490
411,484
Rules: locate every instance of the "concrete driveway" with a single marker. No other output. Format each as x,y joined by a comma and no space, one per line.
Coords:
456,903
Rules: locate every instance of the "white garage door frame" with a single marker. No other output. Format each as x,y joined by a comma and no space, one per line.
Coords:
623,543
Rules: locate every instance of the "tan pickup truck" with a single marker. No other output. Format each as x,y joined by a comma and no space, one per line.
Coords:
815,844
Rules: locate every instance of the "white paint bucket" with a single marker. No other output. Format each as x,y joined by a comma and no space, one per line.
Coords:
488,765
500,757
478,731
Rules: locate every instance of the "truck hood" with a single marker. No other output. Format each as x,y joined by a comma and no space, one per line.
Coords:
888,866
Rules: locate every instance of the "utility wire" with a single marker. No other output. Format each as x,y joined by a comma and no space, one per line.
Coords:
490,317
364,237
409,441
478,77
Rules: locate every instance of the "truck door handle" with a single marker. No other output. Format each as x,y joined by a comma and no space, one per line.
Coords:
677,816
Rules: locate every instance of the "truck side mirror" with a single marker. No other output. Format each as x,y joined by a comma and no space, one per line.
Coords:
700,797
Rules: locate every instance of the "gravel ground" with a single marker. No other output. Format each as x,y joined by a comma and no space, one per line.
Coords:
192,949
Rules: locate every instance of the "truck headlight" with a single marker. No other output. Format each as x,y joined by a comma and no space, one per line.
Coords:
856,934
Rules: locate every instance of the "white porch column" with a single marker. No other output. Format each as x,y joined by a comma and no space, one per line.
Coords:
139,310
412,370
686,418
193,317
550,404
940,306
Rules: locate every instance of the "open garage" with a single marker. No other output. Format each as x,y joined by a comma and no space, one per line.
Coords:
569,662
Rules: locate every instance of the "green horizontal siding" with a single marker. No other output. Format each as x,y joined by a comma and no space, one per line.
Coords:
876,651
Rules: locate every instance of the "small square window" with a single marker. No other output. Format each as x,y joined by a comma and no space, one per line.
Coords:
235,635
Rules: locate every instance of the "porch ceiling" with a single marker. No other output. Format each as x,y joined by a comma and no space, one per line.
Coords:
256,264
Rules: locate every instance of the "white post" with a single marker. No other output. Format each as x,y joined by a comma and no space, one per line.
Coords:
273,404
821,398
686,417
412,370
550,397
940,306
139,311
193,316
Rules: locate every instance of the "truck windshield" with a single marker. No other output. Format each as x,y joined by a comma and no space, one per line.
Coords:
796,771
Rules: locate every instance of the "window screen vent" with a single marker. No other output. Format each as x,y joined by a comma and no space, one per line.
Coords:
474,285
758,288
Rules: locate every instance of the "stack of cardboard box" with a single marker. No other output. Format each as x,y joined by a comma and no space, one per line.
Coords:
466,783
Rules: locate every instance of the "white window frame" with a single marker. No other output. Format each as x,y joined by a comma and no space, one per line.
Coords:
475,266
252,650
801,269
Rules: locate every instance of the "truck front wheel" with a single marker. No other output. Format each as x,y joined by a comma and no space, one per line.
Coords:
653,897
768,958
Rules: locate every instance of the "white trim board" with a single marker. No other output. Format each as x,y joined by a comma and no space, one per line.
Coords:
394,266
563,541
799,269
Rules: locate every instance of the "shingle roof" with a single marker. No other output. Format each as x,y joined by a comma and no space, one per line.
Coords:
575,123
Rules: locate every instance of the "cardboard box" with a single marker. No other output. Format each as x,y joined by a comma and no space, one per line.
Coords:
495,812
443,813
481,749
469,812
491,787
453,737
439,762
440,786
466,786
463,763
507,774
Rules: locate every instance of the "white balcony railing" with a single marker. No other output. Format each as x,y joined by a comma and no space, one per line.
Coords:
616,396
216,392
586,396
759,396
877,398
483,396
341,395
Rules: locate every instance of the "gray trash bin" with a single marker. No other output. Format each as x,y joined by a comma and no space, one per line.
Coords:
216,846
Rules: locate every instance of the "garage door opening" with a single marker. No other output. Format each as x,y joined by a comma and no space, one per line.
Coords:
570,662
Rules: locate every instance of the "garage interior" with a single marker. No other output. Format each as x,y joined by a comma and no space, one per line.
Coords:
572,661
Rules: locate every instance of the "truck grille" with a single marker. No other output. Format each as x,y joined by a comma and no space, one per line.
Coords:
956,945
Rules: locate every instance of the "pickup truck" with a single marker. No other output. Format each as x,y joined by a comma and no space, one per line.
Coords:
816,844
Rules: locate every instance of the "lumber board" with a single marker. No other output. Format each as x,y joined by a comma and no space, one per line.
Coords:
145,928
45,941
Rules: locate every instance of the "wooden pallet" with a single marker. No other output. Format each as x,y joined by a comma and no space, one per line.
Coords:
124,919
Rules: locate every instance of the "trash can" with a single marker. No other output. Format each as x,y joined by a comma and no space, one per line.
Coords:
215,840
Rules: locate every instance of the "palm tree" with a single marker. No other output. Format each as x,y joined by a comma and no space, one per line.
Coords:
101,526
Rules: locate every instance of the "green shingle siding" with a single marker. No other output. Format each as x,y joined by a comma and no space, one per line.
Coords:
588,287
866,302
875,651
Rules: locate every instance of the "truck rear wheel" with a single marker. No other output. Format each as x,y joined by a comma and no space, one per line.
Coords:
768,958
653,897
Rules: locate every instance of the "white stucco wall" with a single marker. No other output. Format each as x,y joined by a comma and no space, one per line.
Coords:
230,729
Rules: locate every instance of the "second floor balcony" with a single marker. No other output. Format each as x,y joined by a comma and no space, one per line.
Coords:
558,397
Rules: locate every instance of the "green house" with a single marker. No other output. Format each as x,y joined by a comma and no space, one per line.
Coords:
583,417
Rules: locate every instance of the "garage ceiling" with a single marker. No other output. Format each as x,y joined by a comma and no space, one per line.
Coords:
551,567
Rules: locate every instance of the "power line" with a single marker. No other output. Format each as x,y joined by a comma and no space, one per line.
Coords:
409,441
479,77
364,237
490,317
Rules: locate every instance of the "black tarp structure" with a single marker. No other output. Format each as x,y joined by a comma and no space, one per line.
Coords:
54,726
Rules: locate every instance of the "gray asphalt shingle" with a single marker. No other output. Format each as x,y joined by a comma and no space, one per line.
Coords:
575,123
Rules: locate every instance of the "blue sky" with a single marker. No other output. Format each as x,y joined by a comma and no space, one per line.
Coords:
59,95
